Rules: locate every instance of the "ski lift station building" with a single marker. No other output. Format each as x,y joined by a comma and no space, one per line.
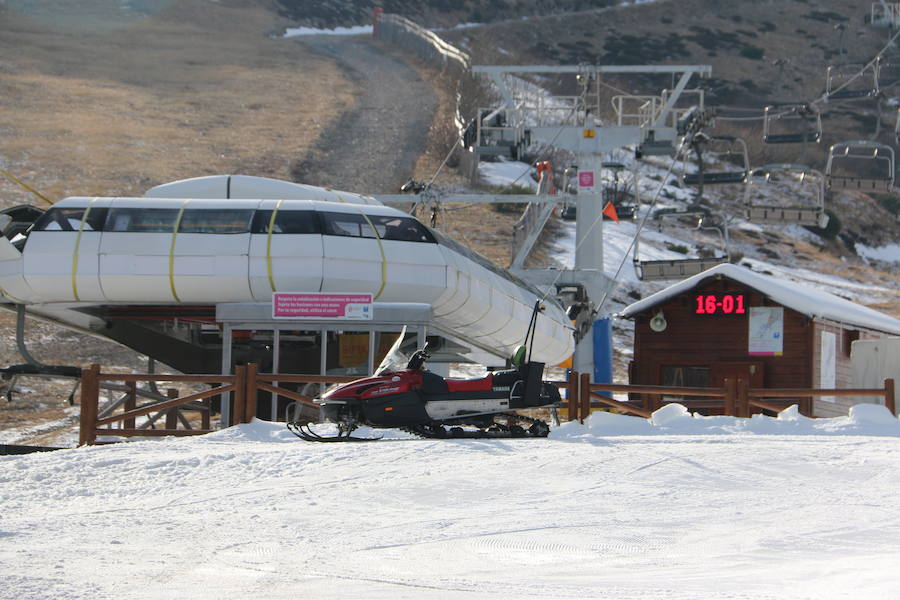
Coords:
731,322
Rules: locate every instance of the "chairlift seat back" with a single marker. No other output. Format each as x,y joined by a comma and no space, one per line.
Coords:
723,177
781,215
861,184
664,270
793,138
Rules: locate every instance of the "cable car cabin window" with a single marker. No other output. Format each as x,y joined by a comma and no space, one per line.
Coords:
286,221
220,220
404,229
69,219
142,220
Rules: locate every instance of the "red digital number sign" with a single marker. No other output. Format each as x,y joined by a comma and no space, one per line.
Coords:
715,304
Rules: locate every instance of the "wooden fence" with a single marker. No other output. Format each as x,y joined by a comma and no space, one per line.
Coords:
119,418
735,398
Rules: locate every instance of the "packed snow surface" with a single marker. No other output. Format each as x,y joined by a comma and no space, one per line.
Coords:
674,507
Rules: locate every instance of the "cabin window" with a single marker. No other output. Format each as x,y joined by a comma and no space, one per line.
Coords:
220,220
142,220
286,221
405,229
850,336
398,228
685,376
69,219
347,224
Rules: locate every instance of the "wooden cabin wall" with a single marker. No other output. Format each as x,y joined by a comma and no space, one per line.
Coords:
844,335
720,339
720,342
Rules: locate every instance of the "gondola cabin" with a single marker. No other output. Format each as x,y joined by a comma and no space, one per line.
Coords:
730,322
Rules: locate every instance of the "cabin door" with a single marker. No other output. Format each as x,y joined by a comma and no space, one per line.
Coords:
751,372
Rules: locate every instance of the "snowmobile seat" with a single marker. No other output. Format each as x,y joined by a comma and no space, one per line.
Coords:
507,376
433,383
468,385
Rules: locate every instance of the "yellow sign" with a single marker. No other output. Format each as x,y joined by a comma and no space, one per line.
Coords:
590,133
353,348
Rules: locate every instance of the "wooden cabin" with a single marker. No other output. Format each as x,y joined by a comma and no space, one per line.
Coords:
732,322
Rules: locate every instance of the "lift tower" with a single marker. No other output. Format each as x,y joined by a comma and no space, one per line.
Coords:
652,124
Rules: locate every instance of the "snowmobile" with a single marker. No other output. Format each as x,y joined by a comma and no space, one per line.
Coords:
402,394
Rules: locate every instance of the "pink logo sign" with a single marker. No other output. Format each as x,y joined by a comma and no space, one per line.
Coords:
586,179
292,305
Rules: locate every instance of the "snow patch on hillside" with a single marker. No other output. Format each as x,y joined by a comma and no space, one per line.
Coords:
355,30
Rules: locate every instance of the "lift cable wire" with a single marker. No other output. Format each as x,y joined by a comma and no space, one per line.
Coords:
25,186
824,97
679,155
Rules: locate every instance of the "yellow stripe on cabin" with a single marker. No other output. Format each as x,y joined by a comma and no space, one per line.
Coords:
172,251
383,257
269,246
84,217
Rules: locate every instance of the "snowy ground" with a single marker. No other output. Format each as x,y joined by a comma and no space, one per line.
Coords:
623,508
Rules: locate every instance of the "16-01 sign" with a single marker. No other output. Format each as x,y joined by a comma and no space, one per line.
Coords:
719,304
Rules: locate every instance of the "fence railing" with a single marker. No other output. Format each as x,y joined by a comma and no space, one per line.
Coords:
119,418
169,414
735,398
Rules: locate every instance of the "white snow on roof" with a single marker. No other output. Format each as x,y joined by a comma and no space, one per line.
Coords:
813,303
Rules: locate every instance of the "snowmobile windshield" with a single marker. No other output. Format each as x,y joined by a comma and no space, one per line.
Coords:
394,360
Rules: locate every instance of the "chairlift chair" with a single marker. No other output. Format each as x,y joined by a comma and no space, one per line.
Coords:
682,268
851,81
810,213
860,165
887,74
620,187
725,149
791,123
498,134
885,14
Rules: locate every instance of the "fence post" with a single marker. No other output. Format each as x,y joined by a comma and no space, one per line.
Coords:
889,395
172,413
90,398
730,396
743,398
240,389
584,397
572,395
130,403
250,394
207,409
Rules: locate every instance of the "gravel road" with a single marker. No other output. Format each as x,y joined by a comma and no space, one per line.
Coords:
372,148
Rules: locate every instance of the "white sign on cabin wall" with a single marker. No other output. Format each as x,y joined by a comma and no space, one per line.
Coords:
766,334
828,363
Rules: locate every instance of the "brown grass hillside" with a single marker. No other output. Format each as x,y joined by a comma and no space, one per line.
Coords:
196,89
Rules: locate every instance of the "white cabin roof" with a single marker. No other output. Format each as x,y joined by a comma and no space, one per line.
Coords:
813,303
248,187
218,203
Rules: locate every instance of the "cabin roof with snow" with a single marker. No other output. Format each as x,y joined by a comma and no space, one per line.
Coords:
813,303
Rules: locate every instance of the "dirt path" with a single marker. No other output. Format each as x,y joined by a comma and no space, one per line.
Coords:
372,148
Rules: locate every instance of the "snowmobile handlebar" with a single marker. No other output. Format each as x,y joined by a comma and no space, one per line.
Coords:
417,361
